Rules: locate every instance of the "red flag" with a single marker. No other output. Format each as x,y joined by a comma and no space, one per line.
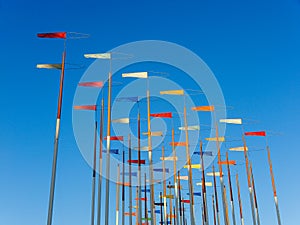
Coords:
162,115
142,199
115,138
256,133
85,107
128,214
91,84
178,143
136,161
185,201
62,35
208,108
230,162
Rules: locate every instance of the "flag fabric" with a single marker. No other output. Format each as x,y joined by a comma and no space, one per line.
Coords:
142,199
168,222
85,107
220,139
127,99
136,161
168,196
62,35
125,184
238,149
162,115
204,153
158,204
171,216
211,174
256,133
193,166
97,84
142,148
169,158
115,138
232,121
207,184
128,214
57,66
172,92
185,201
112,151
161,170
136,75
98,56
178,143
208,108
145,190
154,133
229,162
121,120
183,177
194,127
195,194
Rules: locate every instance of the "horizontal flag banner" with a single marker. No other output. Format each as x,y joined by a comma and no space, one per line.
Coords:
172,92
136,161
193,166
185,201
112,151
142,148
142,199
57,66
98,56
136,75
168,196
163,222
115,138
121,120
204,153
169,158
127,99
211,174
256,133
97,84
238,149
220,139
178,143
195,193
157,211
204,108
145,190
85,107
128,214
134,174
207,184
62,35
195,127
229,162
125,184
171,216
158,204
183,177
154,133
154,181
162,115
232,121
161,170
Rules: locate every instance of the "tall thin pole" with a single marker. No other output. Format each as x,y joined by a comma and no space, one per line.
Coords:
130,181
273,186
175,177
170,202
94,178
204,187
249,180
123,189
239,199
118,195
254,194
107,209
100,164
216,195
146,208
190,179
164,185
139,169
137,208
161,209
57,129
179,192
230,191
214,210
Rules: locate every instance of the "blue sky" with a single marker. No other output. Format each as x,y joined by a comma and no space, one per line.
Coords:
252,48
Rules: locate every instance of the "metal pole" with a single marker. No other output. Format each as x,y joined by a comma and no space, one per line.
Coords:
139,169
118,195
216,195
204,187
175,177
239,199
230,191
165,185
130,181
123,189
254,194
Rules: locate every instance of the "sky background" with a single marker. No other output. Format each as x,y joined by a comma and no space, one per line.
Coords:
253,49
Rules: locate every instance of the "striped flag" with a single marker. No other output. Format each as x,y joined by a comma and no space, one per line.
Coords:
162,115
49,66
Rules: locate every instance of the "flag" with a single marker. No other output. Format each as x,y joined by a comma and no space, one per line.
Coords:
161,170
91,84
232,121
98,56
195,194
183,177
125,184
49,66
136,75
168,222
220,139
136,161
204,153
168,196
238,149
162,115
172,92
145,190
112,151
257,133
85,107
178,143
171,216
128,214
158,204
169,158
204,108
115,138
142,199
62,35
185,201
143,148
207,184
121,120
230,162
217,174
154,133
127,99
193,166
195,127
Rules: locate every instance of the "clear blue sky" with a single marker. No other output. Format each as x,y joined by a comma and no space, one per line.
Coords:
253,49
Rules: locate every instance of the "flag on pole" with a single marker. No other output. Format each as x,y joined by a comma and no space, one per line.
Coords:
183,177
128,214
238,149
85,107
204,153
162,115
185,201
134,174
231,121
121,120
208,108
112,151
178,143
154,133
193,166
98,56
97,84
115,138
194,127
229,162
136,161
143,148
256,133
57,66
195,194
169,158
172,92
62,35
211,174
207,184
161,170
220,139
136,75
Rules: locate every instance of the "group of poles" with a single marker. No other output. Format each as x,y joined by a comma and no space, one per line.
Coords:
171,206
